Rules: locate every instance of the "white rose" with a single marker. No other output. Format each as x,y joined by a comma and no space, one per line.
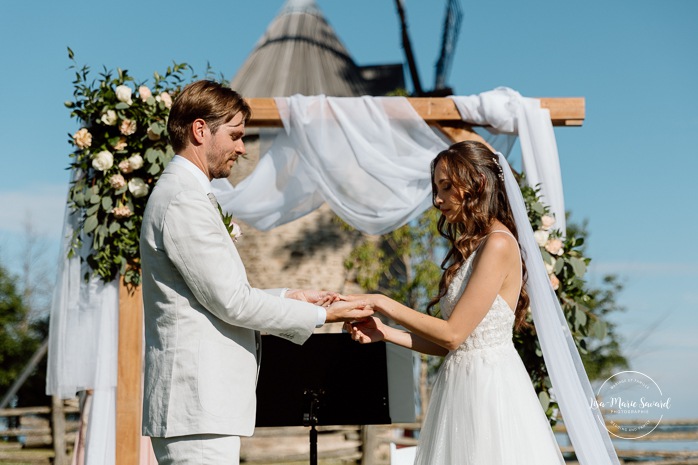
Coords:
120,144
555,282
82,138
138,187
144,92
135,162
547,221
152,135
554,246
127,127
125,166
166,99
236,232
541,237
103,160
123,94
109,118
117,181
121,212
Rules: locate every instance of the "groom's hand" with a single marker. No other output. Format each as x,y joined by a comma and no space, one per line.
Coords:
348,311
322,298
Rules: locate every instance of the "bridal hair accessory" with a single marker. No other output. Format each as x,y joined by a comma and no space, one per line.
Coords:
570,384
500,175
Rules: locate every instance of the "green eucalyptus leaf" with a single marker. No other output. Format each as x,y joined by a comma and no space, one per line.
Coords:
580,316
94,198
578,266
544,399
151,155
157,128
114,227
121,106
559,263
601,330
154,169
107,204
92,210
90,224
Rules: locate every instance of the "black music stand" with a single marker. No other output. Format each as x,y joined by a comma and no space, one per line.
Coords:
329,380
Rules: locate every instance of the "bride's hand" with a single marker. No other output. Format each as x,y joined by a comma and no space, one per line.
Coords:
365,331
374,300
322,298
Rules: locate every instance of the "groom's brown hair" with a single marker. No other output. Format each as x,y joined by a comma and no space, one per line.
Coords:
208,100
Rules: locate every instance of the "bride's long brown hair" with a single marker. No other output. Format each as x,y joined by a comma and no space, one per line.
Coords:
477,179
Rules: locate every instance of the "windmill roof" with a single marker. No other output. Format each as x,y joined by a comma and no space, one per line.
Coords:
299,53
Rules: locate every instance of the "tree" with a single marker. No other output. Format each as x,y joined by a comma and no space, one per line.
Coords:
403,265
19,339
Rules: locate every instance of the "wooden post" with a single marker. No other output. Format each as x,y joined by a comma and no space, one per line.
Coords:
369,443
129,382
58,431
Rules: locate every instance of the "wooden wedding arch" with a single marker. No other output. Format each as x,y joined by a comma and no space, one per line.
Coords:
437,112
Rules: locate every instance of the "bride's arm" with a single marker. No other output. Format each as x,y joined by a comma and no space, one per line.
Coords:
485,282
373,330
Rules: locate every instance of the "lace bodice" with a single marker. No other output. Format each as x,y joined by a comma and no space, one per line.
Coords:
496,329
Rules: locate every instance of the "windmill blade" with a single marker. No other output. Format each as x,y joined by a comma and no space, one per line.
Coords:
452,22
407,47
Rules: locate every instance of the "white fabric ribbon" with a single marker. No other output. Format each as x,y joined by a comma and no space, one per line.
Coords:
507,112
570,383
368,158
83,344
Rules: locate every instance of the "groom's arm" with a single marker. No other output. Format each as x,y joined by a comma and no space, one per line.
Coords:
208,262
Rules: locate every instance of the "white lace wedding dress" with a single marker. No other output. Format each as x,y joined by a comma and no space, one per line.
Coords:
483,408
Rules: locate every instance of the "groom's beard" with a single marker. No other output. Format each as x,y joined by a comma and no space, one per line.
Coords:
220,165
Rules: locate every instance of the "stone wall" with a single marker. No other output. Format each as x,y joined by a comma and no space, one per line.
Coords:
308,253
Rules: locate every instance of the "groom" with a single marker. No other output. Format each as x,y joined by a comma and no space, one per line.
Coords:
201,316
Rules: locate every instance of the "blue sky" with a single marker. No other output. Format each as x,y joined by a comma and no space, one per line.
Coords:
630,170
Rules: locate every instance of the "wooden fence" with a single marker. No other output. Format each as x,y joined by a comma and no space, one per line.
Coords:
46,431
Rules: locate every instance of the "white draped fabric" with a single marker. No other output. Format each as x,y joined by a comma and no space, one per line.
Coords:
507,112
83,342
368,158
571,387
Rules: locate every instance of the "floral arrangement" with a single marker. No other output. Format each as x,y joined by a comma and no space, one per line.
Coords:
119,152
583,308
231,226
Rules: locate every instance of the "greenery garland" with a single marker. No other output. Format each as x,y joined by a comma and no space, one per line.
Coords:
119,153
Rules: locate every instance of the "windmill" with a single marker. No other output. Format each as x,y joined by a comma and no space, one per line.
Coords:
451,29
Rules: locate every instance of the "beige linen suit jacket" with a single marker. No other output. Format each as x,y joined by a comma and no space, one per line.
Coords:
202,317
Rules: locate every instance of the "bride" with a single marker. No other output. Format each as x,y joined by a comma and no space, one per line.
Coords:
483,408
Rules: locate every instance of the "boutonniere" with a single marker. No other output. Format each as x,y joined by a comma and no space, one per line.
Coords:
230,225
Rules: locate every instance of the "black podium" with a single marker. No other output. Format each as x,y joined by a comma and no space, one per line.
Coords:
329,380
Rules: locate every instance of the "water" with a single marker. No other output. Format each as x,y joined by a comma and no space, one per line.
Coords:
645,445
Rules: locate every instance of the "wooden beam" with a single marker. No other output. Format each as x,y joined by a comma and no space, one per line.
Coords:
459,131
567,111
129,384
